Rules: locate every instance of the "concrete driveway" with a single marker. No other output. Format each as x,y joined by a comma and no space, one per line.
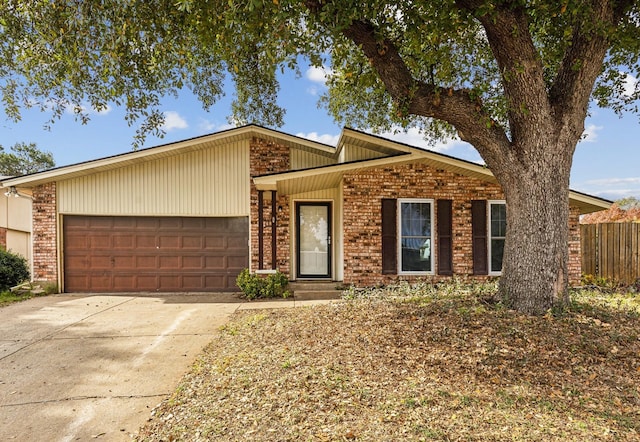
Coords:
93,367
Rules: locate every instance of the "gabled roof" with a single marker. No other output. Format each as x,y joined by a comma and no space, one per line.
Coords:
167,150
295,181
299,181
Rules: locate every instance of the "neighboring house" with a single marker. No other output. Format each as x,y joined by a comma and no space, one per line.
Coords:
15,222
188,216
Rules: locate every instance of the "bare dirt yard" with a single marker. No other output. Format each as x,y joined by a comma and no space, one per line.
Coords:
421,364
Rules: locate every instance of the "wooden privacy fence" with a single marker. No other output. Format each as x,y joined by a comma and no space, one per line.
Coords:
611,250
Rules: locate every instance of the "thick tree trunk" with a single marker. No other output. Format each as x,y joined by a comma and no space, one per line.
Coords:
535,262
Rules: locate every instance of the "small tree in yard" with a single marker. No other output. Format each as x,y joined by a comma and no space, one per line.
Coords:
513,78
23,159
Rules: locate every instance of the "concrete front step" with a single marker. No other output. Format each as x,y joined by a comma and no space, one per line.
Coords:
314,290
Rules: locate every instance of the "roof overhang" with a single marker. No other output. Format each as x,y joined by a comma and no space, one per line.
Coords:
588,203
319,178
167,150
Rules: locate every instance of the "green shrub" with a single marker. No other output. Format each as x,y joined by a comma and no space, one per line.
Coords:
13,269
272,285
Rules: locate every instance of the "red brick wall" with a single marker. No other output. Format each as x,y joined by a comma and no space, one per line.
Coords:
268,157
3,238
45,249
362,218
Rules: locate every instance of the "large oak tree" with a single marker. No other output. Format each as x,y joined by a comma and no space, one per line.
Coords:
513,78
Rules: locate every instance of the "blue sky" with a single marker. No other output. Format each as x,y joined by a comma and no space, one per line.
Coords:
606,163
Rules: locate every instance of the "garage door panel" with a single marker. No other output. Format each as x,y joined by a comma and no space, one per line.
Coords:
146,262
145,241
99,241
100,283
170,223
236,263
99,262
170,283
169,262
104,223
194,223
193,262
193,242
146,283
123,262
129,254
237,225
236,242
77,243
214,243
122,282
144,223
215,262
122,241
218,280
169,242
78,262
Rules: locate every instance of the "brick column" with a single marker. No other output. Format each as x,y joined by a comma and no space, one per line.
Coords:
267,157
45,234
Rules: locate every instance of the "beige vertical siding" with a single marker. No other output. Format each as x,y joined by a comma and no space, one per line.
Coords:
208,182
15,213
356,153
301,159
20,243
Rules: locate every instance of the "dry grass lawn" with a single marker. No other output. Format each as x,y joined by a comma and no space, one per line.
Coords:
422,364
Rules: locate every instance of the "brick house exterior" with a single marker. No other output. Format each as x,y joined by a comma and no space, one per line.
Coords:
312,211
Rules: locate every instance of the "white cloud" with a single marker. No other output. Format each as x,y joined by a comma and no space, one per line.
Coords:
206,126
318,75
85,108
630,83
173,120
590,134
329,139
615,181
613,188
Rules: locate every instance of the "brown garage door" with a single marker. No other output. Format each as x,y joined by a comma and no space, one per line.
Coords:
153,254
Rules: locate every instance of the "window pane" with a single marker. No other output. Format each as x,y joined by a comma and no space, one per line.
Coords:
497,250
416,219
498,220
415,228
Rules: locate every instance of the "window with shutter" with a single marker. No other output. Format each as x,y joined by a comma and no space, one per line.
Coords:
389,237
479,236
445,237
415,236
497,233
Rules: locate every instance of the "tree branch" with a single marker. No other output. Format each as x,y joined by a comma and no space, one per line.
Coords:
573,85
507,31
455,106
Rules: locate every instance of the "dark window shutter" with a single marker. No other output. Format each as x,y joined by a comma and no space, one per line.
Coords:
479,235
445,240
389,237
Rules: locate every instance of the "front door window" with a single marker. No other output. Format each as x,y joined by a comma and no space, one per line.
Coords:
314,239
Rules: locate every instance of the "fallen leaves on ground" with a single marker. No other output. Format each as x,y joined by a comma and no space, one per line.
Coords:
417,368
